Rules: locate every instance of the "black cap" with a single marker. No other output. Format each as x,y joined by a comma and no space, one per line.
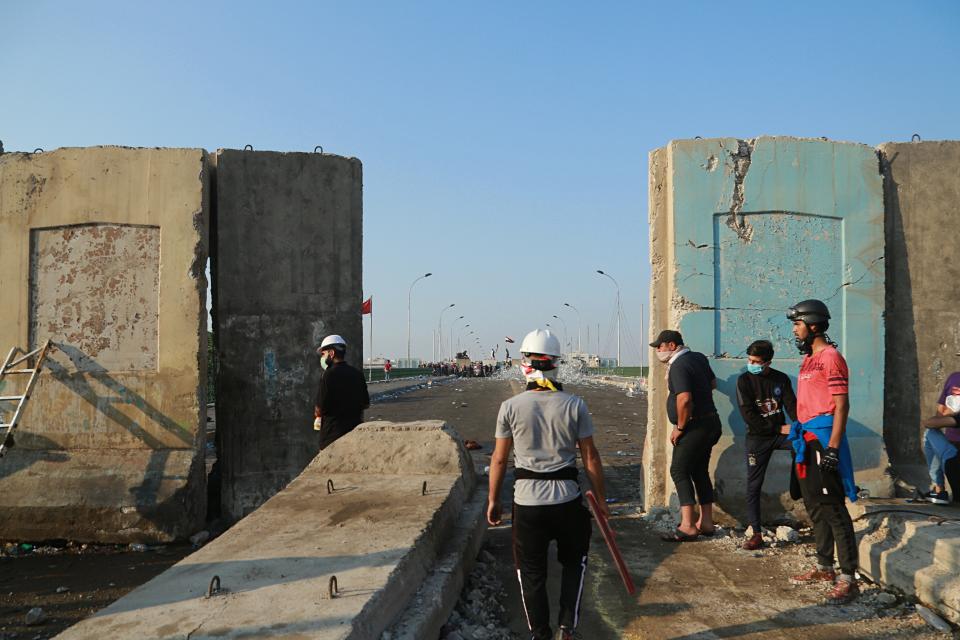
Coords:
667,335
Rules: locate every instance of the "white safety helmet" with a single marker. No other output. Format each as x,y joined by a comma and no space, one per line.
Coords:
541,355
333,341
541,341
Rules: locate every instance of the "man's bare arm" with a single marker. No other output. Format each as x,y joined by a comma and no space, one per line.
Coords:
498,469
842,401
593,467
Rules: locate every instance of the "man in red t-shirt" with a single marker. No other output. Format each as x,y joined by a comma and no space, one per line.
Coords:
824,464
387,366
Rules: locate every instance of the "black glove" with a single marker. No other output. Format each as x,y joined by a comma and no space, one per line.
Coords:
830,461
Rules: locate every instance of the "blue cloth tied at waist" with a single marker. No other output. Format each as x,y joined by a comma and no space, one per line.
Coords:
822,428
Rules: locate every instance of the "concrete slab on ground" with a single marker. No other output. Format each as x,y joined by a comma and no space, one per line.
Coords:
914,548
398,493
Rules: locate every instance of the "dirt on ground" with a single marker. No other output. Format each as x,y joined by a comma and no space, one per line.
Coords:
684,591
688,591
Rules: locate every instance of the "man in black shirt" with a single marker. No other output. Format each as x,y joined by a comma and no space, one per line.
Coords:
762,394
690,383
342,395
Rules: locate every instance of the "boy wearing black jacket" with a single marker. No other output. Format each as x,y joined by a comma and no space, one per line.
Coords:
763,393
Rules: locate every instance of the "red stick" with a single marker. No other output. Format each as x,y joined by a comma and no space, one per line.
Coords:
608,537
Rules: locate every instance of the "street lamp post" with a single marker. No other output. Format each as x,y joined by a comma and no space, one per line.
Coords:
440,329
409,298
617,285
452,325
460,333
579,347
565,341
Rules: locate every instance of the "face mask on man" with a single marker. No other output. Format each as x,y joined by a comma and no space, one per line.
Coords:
325,362
756,369
664,356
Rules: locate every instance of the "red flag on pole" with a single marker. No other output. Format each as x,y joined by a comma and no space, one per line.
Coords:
367,306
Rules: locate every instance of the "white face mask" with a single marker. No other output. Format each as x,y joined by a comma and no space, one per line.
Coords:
664,356
952,403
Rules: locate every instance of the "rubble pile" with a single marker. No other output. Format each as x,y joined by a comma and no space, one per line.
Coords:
479,614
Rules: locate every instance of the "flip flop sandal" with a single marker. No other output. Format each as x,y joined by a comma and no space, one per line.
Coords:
709,534
678,536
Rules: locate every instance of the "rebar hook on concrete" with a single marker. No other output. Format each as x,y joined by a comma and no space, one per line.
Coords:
38,150
248,147
332,587
423,489
214,587
915,137
318,147
330,487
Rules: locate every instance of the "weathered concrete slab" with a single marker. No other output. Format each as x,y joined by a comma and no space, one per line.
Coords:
921,192
915,553
109,448
739,231
376,533
287,272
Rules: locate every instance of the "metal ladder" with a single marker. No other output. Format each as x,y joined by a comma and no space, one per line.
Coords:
8,368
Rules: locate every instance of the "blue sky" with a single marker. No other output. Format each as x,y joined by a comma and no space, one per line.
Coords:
504,144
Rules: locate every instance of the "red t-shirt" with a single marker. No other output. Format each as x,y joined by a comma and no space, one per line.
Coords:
822,376
387,366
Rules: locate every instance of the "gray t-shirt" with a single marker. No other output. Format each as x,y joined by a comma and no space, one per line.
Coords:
545,427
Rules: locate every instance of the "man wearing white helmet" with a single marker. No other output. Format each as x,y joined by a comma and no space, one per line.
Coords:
342,395
544,426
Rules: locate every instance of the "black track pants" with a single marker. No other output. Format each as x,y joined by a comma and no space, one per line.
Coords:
832,527
759,449
533,529
690,467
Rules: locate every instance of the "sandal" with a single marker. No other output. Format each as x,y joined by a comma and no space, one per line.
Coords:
708,534
679,536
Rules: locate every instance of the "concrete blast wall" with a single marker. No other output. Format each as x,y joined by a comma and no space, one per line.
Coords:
922,198
102,251
287,272
740,230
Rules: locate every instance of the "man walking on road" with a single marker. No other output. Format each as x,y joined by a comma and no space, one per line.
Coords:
824,465
387,367
342,396
544,426
696,428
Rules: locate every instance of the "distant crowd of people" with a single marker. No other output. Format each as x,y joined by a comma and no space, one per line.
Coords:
467,370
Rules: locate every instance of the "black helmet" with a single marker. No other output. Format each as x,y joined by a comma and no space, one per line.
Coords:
810,311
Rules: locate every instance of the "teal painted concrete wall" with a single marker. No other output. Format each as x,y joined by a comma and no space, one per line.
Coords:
759,225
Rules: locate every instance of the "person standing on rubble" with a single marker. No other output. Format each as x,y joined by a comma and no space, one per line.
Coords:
763,394
824,465
696,429
544,426
342,395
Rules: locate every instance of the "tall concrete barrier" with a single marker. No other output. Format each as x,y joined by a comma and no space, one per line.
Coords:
374,512
739,231
102,251
922,192
287,271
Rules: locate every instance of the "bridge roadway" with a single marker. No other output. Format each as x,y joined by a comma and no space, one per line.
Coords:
690,591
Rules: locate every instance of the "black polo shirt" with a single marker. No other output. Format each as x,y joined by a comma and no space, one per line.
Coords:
691,372
342,397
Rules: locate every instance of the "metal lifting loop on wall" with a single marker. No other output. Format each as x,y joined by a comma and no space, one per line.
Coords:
318,149
698,137
915,137
248,147
214,587
332,587
38,150
423,489
330,487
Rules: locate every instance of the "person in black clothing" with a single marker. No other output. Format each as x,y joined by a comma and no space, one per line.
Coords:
690,383
763,394
342,396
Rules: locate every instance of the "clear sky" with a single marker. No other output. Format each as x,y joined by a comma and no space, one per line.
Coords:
504,144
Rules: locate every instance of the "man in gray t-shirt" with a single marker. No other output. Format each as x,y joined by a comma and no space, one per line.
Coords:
544,426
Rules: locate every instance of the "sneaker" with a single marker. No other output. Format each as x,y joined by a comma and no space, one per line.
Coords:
815,575
754,542
937,497
843,591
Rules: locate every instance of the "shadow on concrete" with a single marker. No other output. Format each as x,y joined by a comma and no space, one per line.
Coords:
184,582
901,407
800,618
